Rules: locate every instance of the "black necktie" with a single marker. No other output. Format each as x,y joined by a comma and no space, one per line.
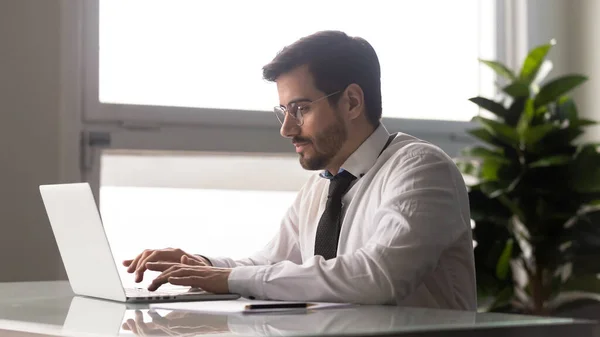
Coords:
328,231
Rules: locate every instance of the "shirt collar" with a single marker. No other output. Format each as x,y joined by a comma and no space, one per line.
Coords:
361,160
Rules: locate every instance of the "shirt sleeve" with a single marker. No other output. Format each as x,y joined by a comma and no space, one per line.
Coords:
283,246
419,216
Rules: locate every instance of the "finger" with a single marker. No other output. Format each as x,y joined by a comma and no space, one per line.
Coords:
141,326
155,315
161,266
149,329
132,326
192,261
186,260
134,263
178,270
158,321
162,278
141,268
127,263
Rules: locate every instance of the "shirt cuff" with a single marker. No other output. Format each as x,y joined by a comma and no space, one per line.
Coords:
217,261
207,259
248,281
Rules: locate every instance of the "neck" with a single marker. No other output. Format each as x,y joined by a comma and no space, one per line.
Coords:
359,135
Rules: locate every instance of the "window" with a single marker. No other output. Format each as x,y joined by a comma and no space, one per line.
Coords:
188,57
209,203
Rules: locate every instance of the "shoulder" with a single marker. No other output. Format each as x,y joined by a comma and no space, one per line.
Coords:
406,149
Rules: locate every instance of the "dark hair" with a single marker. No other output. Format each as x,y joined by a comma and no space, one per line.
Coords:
335,60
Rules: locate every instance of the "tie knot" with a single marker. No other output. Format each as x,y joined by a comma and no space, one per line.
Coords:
340,183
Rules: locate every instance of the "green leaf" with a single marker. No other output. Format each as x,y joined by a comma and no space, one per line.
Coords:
490,170
585,170
588,283
513,184
537,133
468,168
484,135
544,70
485,153
551,161
557,87
595,202
583,122
533,62
500,69
501,131
490,106
525,120
502,299
503,265
517,89
567,109
504,200
492,189
515,111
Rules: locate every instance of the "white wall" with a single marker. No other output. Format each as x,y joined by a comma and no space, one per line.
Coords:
30,136
574,25
584,57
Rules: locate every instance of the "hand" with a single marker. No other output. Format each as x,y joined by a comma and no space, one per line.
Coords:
138,265
176,323
211,279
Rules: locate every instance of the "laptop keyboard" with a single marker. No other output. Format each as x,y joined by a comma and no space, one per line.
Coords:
143,292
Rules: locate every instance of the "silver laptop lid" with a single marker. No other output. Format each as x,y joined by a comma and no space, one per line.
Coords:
81,240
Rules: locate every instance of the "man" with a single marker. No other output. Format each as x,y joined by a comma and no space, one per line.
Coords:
385,222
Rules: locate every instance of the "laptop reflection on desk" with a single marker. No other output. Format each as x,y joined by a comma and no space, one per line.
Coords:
89,316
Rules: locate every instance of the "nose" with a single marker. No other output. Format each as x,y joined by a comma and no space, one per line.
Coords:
289,127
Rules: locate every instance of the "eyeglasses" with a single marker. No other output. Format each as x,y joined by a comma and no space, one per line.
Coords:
296,110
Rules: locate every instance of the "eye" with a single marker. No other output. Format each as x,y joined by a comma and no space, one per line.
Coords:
302,109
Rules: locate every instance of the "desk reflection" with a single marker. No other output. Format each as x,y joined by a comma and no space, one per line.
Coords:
101,317
49,308
361,319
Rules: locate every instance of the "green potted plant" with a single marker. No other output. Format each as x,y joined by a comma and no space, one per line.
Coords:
534,191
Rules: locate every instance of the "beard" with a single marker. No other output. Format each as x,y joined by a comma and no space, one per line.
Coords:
326,145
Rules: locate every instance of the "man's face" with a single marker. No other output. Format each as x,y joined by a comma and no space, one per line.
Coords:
323,131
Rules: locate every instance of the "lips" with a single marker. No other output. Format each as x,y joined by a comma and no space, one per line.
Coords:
301,146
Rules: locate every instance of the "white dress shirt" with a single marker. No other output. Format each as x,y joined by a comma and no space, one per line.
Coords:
405,237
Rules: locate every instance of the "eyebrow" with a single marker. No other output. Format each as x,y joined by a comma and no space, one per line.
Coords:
297,100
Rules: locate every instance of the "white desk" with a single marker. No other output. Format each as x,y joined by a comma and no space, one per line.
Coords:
49,308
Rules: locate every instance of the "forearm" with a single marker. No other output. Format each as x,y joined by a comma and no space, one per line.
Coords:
352,278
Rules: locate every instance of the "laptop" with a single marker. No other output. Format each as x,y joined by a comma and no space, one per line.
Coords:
86,253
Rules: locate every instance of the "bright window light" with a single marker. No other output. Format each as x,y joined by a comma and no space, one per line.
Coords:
205,203
209,54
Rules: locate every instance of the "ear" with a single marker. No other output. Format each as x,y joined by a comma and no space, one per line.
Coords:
356,101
